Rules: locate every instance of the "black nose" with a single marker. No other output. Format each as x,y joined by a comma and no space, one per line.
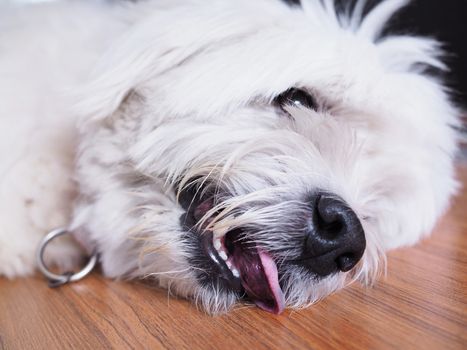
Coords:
335,238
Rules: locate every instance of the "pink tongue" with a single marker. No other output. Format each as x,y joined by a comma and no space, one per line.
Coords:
260,279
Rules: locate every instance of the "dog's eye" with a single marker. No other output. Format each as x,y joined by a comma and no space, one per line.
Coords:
296,97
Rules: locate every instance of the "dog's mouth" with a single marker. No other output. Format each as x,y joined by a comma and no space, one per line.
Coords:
242,265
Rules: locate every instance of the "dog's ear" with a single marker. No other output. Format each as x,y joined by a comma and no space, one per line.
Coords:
145,51
137,57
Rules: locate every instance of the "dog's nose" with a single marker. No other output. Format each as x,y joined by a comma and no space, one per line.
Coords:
335,240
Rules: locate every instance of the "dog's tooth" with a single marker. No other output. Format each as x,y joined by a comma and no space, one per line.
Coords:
220,232
229,264
217,244
235,272
223,255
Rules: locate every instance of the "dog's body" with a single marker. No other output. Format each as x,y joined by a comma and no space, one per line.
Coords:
44,50
233,120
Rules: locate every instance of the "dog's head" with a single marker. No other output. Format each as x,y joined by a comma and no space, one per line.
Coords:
254,148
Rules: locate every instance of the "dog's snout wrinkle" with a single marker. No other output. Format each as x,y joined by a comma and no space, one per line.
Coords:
335,240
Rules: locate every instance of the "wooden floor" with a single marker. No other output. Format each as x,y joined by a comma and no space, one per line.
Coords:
421,304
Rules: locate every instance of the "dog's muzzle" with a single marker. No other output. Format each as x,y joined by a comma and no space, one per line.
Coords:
333,241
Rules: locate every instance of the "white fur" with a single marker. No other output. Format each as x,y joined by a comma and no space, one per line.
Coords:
166,91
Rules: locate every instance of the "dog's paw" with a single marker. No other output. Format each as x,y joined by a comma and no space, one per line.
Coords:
16,262
20,261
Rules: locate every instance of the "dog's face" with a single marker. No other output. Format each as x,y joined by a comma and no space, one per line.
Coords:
251,148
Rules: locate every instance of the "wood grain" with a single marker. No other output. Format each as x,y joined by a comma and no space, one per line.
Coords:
421,304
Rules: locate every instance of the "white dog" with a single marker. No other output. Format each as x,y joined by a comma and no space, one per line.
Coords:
227,148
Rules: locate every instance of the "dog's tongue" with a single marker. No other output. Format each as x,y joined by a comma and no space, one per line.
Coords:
260,279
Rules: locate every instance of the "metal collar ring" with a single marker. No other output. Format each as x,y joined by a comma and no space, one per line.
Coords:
56,280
